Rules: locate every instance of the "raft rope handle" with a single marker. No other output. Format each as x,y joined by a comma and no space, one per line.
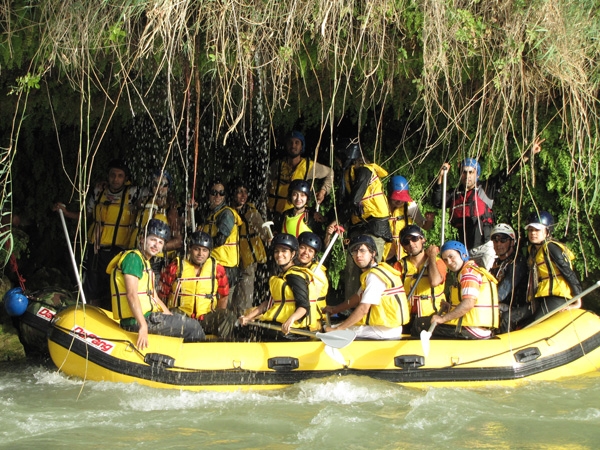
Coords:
14,266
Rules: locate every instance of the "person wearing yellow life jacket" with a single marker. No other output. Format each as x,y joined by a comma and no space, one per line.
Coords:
134,300
111,211
253,237
380,304
423,274
403,212
552,280
474,312
300,217
289,304
222,224
309,244
363,208
197,286
294,166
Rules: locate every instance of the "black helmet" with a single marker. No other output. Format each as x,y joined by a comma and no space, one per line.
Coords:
202,239
411,230
119,164
362,239
544,218
352,151
311,239
288,240
300,186
158,228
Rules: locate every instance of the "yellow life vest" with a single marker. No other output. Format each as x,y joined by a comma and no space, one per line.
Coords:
550,280
321,287
228,254
399,219
112,220
425,300
278,191
486,312
120,306
148,211
195,293
393,310
252,249
374,201
282,304
295,225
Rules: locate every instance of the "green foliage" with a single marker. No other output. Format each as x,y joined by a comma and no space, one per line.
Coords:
26,83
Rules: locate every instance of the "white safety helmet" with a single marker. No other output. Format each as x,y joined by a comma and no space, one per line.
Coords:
503,228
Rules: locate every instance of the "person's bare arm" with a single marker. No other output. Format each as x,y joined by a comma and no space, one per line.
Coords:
360,312
466,305
131,288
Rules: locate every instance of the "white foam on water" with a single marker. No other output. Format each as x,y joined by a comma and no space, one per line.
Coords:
54,377
345,391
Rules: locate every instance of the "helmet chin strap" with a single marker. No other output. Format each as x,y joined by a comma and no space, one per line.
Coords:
419,252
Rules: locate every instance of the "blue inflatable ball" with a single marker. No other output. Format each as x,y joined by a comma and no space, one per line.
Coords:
15,302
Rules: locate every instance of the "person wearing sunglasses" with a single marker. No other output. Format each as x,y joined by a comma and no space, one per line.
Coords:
222,223
472,201
510,269
474,311
423,274
403,212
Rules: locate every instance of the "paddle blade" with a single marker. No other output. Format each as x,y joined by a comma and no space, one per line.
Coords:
336,355
425,336
337,338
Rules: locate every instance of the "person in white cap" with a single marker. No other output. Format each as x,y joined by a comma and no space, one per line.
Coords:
552,281
510,269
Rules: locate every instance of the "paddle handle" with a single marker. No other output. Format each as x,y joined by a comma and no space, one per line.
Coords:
419,276
72,254
329,247
593,287
444,182
270,326
432,327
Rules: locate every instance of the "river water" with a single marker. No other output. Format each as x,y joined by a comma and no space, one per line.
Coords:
41,408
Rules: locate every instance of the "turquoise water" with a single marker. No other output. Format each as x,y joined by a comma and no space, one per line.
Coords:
42,408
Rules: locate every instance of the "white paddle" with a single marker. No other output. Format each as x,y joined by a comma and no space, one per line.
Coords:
75,268
339,231
335,338
426,334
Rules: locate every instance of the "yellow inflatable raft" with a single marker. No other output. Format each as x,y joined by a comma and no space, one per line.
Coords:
87,343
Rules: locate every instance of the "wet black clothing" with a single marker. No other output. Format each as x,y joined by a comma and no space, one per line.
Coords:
512,279
300,289
515,311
